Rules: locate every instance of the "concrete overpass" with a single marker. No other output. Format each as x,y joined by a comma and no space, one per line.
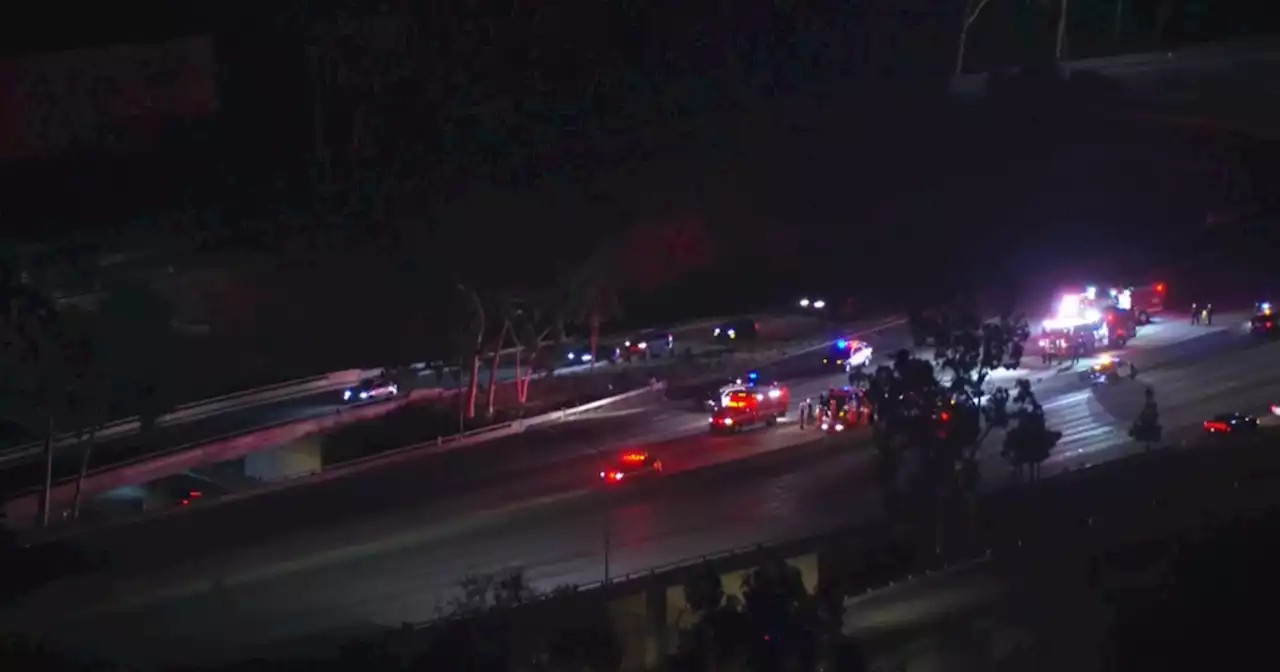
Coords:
1222,86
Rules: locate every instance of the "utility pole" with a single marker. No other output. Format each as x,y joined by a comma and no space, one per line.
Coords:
1117,23
1062,29
606,545
46,499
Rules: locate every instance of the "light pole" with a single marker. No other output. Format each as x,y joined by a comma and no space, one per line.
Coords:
1062,29
606,545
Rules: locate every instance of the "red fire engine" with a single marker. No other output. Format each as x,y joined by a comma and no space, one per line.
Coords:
1144,301
751,405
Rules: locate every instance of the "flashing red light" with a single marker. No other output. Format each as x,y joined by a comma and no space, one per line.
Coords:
617,475
1160,287
946,416
634,457
194,494
1216,426
186,502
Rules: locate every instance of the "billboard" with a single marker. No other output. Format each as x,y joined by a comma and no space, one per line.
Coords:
119,98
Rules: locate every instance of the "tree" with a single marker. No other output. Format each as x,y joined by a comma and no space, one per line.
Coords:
968,350
501,623
537,320
971,11
1029,443
135,346
469,341
38,374
88,403
592,299
1146,427
939,414
777,624
507,312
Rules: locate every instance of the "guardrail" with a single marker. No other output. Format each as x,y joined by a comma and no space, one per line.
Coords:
194,411
770,546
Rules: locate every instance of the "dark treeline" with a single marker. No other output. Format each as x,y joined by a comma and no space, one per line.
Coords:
370,154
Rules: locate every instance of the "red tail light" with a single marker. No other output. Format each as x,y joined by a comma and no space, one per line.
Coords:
1160,287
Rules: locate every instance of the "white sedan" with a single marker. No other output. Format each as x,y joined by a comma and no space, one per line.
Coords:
859,355
370,389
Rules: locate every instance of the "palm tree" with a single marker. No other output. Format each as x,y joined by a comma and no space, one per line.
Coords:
537,320
507,311
472,338
592,299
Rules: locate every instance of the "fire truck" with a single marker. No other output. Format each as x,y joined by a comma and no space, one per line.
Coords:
1087,321
1144,301
749,405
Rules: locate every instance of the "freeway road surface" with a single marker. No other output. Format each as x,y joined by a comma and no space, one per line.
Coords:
398,561
26,471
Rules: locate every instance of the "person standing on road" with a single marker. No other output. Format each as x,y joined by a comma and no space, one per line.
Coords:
1208,314
1195,314
804,412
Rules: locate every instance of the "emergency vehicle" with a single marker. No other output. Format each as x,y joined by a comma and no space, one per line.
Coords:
1143,300
1106,370
749,405
842,400
631,464
1089,322
735,331
1263,322
847,355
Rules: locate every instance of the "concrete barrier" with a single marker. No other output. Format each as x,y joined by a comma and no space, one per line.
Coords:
22,513
332,382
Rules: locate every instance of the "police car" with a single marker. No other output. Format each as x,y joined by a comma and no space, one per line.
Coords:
1263,322
848,355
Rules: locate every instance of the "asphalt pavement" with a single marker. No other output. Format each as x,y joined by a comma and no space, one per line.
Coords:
413,533
28,471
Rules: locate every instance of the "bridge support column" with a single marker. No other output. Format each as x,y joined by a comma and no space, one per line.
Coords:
658,646
299,458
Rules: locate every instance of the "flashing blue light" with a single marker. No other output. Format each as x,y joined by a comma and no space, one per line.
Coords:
842,344
753,375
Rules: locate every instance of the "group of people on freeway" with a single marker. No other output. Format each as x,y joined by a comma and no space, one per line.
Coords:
1202,314
847,405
